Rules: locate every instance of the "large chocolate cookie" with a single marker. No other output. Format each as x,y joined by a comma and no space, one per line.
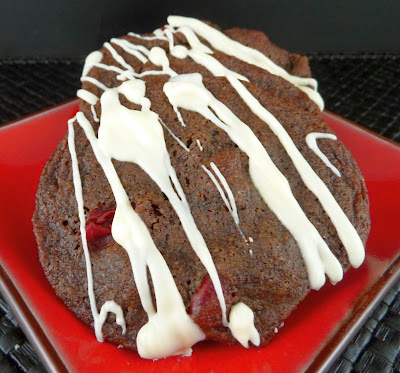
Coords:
200,152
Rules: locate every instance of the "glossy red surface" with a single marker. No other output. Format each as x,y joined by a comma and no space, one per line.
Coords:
24,148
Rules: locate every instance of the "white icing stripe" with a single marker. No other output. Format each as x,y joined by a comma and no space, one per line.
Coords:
139,139
132,49
213,65
227,190
241,323
87,96
193,40
108,306
346,232
159,33
129,75
95,82
270,183
118,57
170,330
199,145
128,45
109,68
221,192
94,113
228,203
180,142
233,48
156,37
345,229
156,54
170,37
111,306
82,219
179,115
159,58
311,140
252,56
91,60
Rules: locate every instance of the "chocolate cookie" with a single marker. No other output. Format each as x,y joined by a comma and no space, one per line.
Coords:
199,193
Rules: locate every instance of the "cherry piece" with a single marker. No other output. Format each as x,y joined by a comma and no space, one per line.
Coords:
98,228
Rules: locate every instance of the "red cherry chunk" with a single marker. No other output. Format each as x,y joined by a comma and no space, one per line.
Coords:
98,228
205,309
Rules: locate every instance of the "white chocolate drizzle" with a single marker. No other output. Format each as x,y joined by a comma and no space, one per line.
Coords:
169,330
193,40
177,139
170,37
94,82
109,68
91,60
156,55
155,37
241,323
345,229
188,92
223,43
87,96
96,119
311,140
179,115
213,65
159,58
230,201
224,190
137,136
132,49
199,145
117,57
109,306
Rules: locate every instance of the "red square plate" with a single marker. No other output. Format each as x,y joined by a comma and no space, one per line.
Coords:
65,343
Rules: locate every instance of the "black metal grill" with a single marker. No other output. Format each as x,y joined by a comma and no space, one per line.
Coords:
363,88
16,353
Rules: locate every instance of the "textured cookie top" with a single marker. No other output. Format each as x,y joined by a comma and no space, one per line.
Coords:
191,198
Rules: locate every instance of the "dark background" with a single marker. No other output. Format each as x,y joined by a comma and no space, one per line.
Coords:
57,28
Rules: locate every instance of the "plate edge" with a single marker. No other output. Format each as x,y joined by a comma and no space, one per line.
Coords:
364,307
361,128
23,119
30,326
